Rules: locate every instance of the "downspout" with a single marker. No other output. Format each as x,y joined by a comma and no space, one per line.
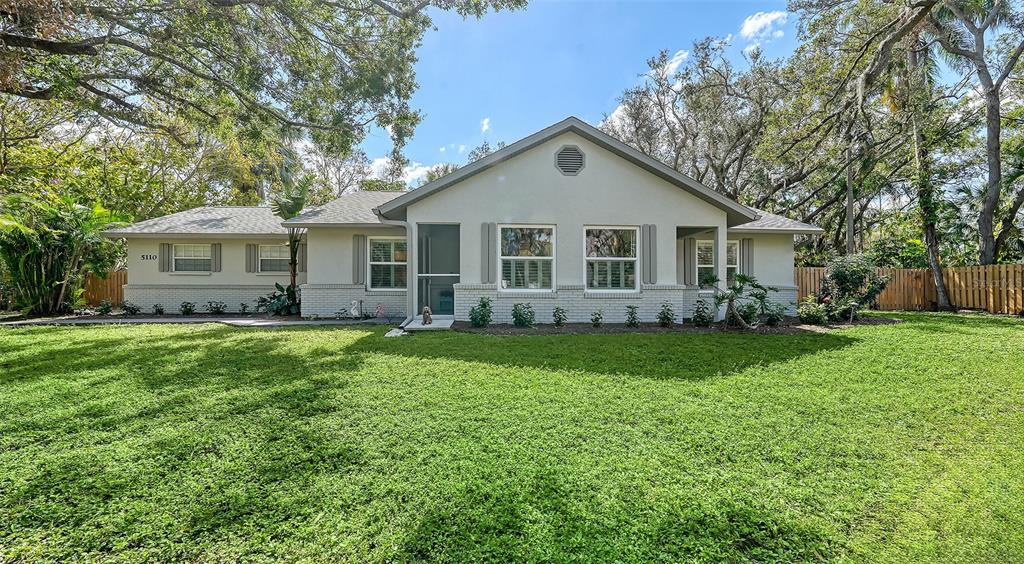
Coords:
409,296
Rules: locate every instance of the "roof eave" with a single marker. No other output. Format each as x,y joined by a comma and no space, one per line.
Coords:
784,231
190,235
307,225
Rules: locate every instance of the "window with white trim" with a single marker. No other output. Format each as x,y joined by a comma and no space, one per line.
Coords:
192,258
527,257
611,258
274,258
388,258
706,261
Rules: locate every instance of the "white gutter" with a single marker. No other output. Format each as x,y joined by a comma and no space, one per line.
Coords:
410,309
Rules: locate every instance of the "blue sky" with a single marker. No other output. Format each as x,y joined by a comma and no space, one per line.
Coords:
521,71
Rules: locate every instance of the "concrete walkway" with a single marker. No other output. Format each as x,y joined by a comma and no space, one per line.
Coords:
247,321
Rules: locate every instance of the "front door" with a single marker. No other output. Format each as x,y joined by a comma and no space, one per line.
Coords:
437,270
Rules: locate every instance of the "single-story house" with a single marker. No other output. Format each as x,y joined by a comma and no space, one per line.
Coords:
568,217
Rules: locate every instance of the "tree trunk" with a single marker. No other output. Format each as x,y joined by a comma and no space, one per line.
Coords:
293,256
849,195
923,179
987,251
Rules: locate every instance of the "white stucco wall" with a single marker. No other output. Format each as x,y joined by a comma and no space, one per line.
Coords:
528,189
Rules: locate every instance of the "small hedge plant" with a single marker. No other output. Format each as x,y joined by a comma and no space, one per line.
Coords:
596,318
480,315
667,315
522,315
130,308
243,307
749,311
702,314
158,309
632,317
216,308
812,312
187,308
559,316
105,307
774,314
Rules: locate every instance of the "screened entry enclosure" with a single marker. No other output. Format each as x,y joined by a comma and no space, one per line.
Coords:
438,268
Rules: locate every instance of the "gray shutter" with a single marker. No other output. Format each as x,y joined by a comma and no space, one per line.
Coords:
690,261
649,254
301,257
487,253
164,258
359,259
747,256
215,257
251,257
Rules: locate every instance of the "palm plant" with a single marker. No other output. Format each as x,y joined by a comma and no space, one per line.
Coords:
743,286
288,204
48,244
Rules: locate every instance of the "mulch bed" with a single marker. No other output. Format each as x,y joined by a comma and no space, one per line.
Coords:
791,326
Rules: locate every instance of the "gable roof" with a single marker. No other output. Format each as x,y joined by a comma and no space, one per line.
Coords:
208,220
736,213
771,223
355,208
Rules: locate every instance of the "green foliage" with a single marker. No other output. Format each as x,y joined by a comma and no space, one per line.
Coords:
850,284
187,308
596,318
216,307
481,314
131,309
105,307
666,315
378,185
703,316
738,311
522,315
632,318
47,245
559,316
812,312
158,309
243,307
283,301
775,314
749,312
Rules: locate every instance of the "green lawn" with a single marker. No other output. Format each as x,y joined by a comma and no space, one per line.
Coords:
882,443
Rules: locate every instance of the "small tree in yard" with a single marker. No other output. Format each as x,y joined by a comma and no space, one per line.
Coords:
286,206
850,284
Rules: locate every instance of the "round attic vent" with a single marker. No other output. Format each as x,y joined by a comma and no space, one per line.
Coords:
569,160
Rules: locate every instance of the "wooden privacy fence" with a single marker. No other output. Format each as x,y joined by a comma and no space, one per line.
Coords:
110,288
997,288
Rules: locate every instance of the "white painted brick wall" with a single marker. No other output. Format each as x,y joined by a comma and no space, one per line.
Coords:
170,296
325,300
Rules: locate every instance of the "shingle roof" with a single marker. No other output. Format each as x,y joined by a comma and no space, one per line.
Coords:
210,220
355,207
771,222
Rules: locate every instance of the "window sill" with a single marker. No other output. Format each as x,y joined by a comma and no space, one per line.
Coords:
611,294
190,273
387,289
282,274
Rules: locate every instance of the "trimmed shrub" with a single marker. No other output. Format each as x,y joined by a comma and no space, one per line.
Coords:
632,318
283,301
187,308
158,309
522,315
749,312
130,308
775,314
559,316
480,315
667,315
812,312
105,307
850,284
596,318
216,308
243,307
702,314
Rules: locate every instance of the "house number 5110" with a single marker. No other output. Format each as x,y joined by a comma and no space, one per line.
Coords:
147,257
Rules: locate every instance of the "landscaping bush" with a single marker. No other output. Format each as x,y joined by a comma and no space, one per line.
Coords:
522,315
812,312
632,317
749,311
130,308
702,314
480,315
559,316
667,315
596,318
243,307
216,308
187,308
775,314
850,284
105,307
284,301
158,309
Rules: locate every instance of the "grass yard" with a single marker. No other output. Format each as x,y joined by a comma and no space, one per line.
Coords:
160,442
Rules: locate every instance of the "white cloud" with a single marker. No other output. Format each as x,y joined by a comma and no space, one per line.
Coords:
442,149
485,124
677,60
763,24
462,149
751,47
412,174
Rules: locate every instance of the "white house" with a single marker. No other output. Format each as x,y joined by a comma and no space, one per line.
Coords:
566,217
